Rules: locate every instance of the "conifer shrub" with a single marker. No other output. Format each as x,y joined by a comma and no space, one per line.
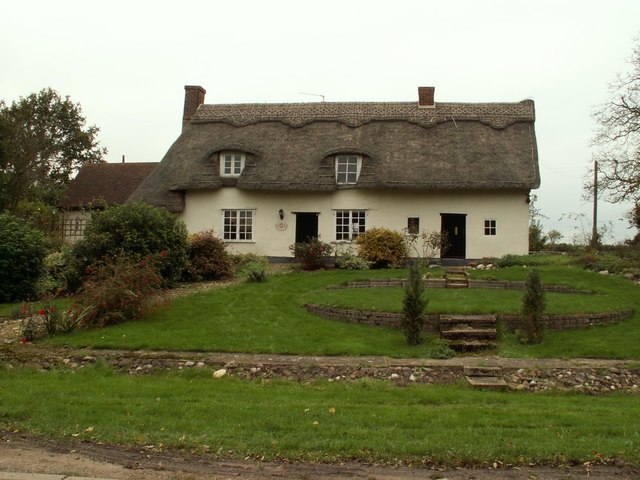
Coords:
208,258
533,305
413,304
383,247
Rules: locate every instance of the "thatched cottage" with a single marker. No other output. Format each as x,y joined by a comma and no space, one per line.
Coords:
264,176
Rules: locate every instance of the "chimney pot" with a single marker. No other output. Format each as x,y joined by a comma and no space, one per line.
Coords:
193,98
425,96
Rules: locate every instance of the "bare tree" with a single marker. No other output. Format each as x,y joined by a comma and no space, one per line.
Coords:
617,140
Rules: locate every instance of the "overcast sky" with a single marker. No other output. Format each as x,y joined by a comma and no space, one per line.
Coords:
126,63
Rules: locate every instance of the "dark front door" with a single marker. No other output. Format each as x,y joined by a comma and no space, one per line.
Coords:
306,226
453,235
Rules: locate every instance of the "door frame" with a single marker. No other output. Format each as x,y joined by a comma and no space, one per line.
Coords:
308,216
454,226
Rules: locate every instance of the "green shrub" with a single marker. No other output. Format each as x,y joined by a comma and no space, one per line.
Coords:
22,251
533,305
243,262
118,289
312,254
256,272
509,260
413,305
58,270
208,257
137,230
348,260
383,247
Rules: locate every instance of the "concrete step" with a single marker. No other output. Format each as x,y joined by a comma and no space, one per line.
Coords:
465,332
482,371
487,383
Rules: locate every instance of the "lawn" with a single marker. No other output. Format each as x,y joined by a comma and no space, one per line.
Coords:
364,420
269,318
263,317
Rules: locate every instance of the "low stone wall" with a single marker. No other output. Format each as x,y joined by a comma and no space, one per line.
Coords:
518,285
378,319
510,322
440,283
562,322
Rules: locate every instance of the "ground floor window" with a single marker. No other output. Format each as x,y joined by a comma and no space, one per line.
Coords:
413,225
490,227
238,225
350,224
73,227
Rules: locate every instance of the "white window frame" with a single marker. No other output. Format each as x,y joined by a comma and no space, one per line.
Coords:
355,228
348,161
73,227
231,164
234,224
490,227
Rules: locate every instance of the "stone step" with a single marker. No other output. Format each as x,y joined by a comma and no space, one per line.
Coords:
482,371
472,345
448,322
464,332
487,383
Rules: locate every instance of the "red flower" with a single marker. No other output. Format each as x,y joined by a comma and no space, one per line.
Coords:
50,309
41,312
24,340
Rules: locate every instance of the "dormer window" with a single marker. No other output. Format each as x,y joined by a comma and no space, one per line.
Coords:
231,164
348,169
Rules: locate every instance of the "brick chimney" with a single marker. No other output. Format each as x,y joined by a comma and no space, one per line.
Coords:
425,97
193,98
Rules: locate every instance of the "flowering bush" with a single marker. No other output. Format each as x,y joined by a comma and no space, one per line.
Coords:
117,290
312,254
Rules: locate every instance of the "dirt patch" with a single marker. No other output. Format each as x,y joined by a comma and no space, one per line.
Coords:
19,453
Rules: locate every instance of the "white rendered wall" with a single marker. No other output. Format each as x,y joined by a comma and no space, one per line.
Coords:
390,209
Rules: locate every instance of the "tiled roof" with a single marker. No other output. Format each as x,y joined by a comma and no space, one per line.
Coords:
102,184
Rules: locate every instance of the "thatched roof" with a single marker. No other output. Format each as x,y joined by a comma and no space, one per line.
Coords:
448,146
101,184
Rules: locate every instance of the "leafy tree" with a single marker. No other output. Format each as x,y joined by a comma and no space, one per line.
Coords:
22,251
43,141
413,305
618,136
137,230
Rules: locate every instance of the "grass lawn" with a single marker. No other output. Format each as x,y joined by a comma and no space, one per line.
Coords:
268,317
372,420
254,317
